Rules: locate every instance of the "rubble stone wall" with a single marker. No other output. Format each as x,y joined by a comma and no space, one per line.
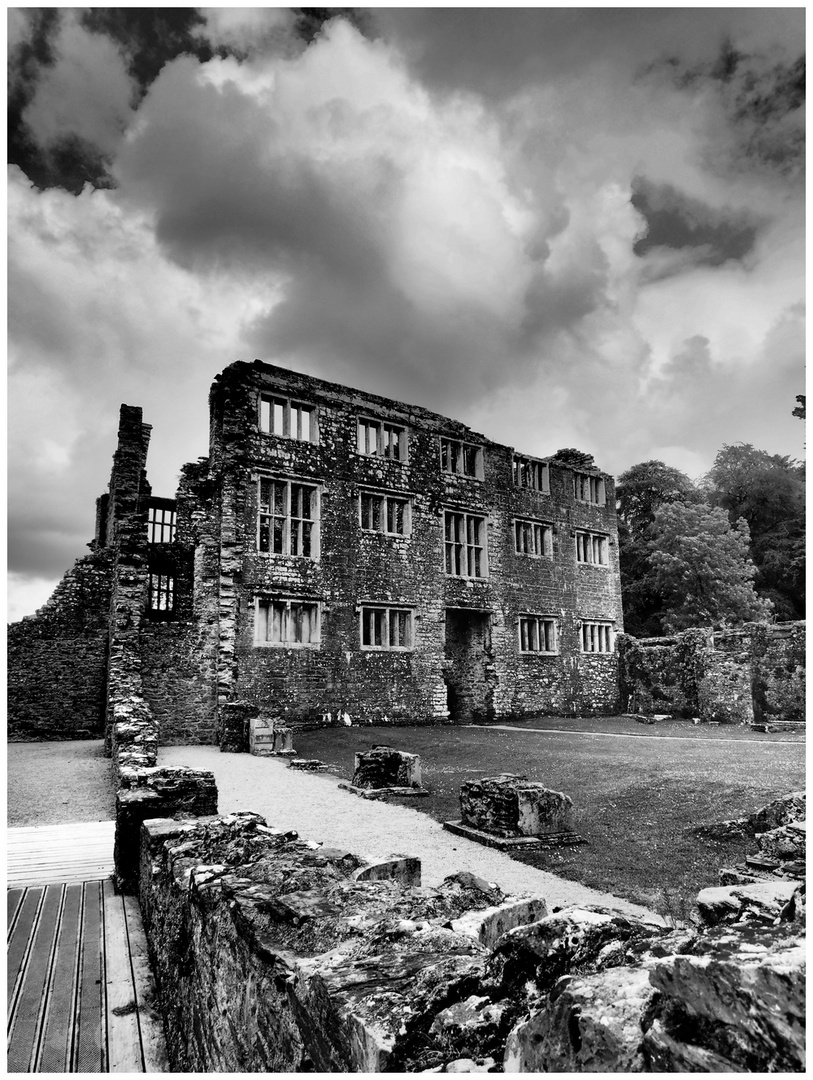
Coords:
276,955
310,685
57,659
756,672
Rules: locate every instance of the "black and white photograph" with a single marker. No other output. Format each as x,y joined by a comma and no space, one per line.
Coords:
406,545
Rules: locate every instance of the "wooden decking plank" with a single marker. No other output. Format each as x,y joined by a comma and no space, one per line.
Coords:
55,1047
50,853
25,1031
14,902
150,1019
123,1036
89,1049
21,940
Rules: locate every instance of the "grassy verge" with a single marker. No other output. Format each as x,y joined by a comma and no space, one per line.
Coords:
637,796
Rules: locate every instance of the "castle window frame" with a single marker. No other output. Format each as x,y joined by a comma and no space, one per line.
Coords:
531,473
597,637
383,512
381,438
592,549
288,517
160,596
386,627
465,544
537,634
161,524
288,418
459,458
589,489
282,622
533,538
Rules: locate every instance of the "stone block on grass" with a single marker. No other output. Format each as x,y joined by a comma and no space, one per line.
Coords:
384,767
509,805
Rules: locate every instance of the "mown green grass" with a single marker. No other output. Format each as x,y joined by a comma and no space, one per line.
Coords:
636,799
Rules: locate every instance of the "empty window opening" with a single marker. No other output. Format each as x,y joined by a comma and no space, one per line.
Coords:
386,627
287,518
384,513
379,438
287,622
591,548
161,596
160,524
465,538
533,538
589,489
529,473
463,459
597,637
537,634
288,418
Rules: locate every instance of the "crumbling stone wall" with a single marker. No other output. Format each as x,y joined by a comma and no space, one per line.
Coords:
778,656
734,676
277,955
57,659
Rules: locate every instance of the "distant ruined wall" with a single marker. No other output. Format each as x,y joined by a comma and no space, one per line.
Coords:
753,673
57,659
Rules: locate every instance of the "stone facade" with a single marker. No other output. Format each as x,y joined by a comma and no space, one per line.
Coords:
338,558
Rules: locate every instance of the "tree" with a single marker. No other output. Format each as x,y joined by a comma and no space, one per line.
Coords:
640,491
800,408
645,487
768,491
701,567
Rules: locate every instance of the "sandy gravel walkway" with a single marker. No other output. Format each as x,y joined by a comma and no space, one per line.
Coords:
318,809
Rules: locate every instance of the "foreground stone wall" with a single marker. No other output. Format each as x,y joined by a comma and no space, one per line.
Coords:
278,955
732,676
57,659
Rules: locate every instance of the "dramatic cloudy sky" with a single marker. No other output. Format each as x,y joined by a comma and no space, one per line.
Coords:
563,227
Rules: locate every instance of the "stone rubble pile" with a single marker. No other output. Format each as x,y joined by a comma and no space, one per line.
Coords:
275,954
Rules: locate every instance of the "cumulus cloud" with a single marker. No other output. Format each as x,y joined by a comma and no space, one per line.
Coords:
342,203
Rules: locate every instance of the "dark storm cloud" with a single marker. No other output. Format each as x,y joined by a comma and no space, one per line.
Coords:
762,100
675,220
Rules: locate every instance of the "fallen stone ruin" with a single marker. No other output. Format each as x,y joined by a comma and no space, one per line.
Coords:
385,771
509,811
275,954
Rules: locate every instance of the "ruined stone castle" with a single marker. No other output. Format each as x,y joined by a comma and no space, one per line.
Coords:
338,557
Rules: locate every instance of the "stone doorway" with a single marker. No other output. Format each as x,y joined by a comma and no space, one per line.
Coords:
468,670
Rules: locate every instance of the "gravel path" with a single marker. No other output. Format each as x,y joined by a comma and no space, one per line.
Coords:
54,783
318,809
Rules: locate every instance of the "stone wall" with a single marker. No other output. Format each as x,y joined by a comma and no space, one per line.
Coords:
310,685
756,672
276,955
57,659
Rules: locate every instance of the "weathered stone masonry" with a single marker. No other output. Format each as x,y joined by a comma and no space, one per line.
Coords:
464,658
755,673
337,554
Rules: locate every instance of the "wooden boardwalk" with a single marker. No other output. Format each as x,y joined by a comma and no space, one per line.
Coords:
81,997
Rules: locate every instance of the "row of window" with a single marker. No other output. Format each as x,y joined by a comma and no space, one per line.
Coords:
291,623
292,419
288,525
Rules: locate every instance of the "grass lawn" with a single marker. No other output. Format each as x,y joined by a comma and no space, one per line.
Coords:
637,791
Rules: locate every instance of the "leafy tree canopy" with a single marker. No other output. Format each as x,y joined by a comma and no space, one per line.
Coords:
702,568
645,487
